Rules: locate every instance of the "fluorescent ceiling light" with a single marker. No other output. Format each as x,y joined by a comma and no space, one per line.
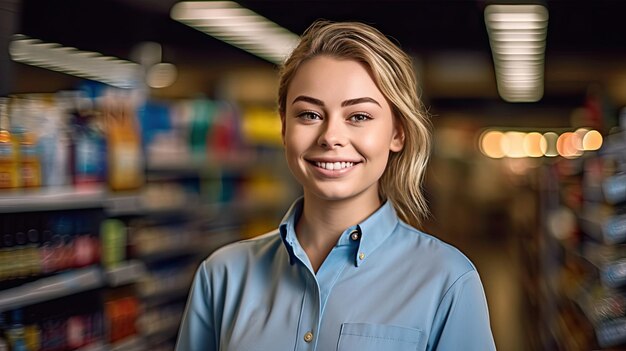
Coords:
238,26
517,35
90,65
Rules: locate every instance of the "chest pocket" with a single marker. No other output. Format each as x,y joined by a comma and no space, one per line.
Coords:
378,337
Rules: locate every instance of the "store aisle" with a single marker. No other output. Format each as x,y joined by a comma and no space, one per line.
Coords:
498,262
499,266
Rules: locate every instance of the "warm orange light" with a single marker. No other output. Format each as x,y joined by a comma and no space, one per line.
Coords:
577,138
532,144
566,146
513,144
592,140
490,144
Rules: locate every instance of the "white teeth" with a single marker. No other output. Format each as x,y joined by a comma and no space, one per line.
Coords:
334,165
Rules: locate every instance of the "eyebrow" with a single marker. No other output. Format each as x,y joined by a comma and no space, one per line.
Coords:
345,103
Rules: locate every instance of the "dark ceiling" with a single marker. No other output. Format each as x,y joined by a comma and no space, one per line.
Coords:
421,26
586,39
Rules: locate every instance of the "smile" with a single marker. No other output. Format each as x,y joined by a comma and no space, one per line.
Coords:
331,166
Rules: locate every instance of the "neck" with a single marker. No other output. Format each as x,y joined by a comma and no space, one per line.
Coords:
322,222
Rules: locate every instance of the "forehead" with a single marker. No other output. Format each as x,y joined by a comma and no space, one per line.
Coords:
332,79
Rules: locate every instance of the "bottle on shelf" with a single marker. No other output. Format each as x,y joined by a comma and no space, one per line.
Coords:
16,331
114,241
30,166
88,149
33,235
4,340
125,155
8,254
9,170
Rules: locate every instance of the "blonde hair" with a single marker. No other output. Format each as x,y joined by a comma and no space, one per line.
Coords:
392,69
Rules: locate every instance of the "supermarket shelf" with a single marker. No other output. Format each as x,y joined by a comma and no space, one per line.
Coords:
210,164
162,332
612,333
136,204
133,343
173,250
97,346
68,198
49,288
614,188
166,294
126,273
123,204
49,199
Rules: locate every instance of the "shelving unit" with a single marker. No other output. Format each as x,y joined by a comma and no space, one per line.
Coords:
44,289
52,199
582,250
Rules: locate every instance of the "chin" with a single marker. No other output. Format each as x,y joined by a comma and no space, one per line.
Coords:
336,193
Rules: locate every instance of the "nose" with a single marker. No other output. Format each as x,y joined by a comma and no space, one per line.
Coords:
332,134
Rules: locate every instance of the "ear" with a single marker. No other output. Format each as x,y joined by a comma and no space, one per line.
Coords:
397,139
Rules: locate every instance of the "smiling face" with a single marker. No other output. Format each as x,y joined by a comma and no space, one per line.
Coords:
338,130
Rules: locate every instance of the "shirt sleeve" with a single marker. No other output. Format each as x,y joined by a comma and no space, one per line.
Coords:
197,329
462,318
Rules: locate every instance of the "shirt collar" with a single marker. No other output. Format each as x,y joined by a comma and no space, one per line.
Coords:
287,229
372,232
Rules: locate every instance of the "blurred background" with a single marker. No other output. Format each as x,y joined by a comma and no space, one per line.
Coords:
136,136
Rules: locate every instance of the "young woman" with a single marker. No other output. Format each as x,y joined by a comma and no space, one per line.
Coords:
346,269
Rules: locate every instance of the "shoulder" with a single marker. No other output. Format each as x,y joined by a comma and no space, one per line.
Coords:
244,253
433,252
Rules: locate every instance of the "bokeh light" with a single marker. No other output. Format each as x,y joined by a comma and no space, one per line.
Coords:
517,144
490,144
592,140
532,145
566,145
513,144
548,144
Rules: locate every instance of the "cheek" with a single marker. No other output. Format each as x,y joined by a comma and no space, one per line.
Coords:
297,139
375,145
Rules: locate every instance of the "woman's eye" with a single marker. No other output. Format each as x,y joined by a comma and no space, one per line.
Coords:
309,115
359,117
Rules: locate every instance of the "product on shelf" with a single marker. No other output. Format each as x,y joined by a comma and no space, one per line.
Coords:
114,239
9,169
30,166
110,230
51,326
87,146
36,244
125,155
614,188
121,310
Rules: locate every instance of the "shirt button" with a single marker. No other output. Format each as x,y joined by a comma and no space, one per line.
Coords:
354,235
361,256
308,336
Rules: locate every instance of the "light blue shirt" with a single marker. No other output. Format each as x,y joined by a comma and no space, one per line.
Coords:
384,286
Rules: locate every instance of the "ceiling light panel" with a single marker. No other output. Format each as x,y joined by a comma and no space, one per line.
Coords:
238,26
517,36
90,65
